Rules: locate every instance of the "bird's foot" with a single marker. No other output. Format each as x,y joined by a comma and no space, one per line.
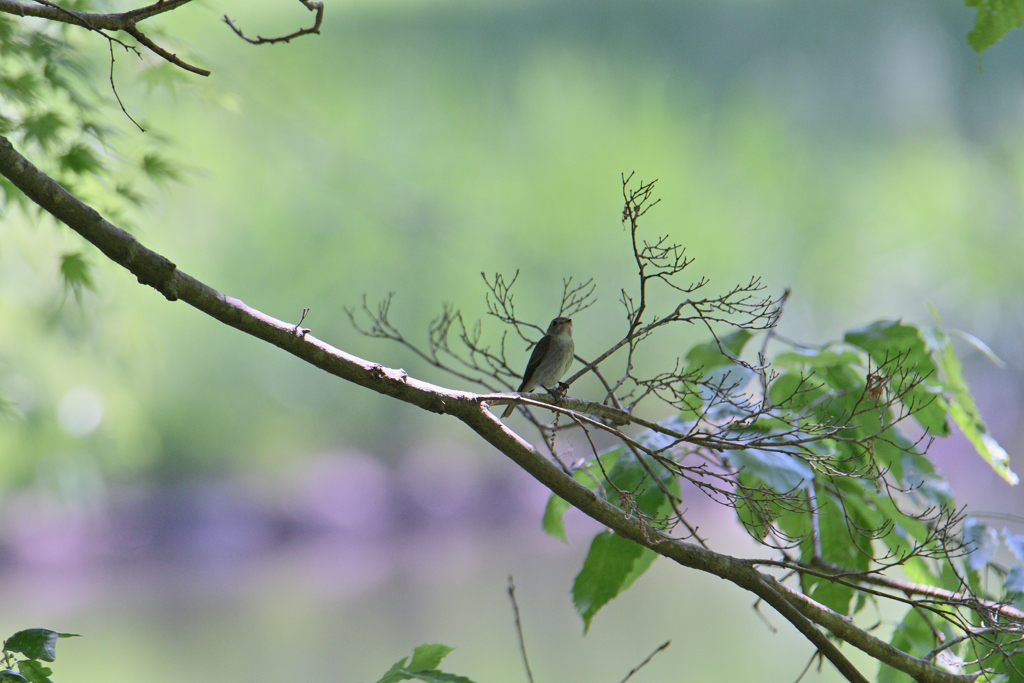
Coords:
560,390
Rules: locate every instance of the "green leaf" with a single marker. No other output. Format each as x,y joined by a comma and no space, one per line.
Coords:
55,77
995,19
917,571
590,475
907,532
35,671
42,46
1008,663
36,643
159,169
126,191
691,406
914,636
757,512
791,390
21,88
12,675
816,360
1014,581
841,545
710,354
435,676
96,130
715,362
395,673
965,413
553,523
984,443
76,272
928,408
885,339
429,655
781,471
630,476
42,128
423,666
891,343
909,467
612,565
80,159
981,346
981,542
1015,542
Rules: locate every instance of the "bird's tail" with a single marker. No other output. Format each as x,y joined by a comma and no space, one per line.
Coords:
508,410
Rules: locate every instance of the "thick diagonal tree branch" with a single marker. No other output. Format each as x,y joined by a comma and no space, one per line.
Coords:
155,270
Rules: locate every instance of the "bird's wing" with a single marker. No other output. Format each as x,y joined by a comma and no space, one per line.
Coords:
539,351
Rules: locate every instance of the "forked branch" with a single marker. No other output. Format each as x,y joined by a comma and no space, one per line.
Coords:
312,6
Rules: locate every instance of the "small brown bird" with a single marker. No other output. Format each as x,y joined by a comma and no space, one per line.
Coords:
551,359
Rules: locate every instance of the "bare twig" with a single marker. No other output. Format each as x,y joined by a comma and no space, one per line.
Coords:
519,627
114,88
816,655
644,663
169,56
312,6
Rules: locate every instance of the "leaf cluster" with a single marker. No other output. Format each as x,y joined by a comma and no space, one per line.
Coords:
994,20
52,108
36,645
422,666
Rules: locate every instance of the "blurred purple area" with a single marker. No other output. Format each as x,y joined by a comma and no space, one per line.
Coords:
361,521
358,561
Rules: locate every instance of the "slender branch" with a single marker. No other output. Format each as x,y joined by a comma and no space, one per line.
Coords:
519,627
843,576
644,663
312,6
114,88
169,56
971,633
810,662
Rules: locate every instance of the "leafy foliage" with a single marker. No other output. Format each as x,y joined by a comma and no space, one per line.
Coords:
50,101
423,666
76,273
37,645
612,565
995,19
862,498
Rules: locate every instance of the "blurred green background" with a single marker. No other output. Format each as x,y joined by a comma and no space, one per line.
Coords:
195,501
